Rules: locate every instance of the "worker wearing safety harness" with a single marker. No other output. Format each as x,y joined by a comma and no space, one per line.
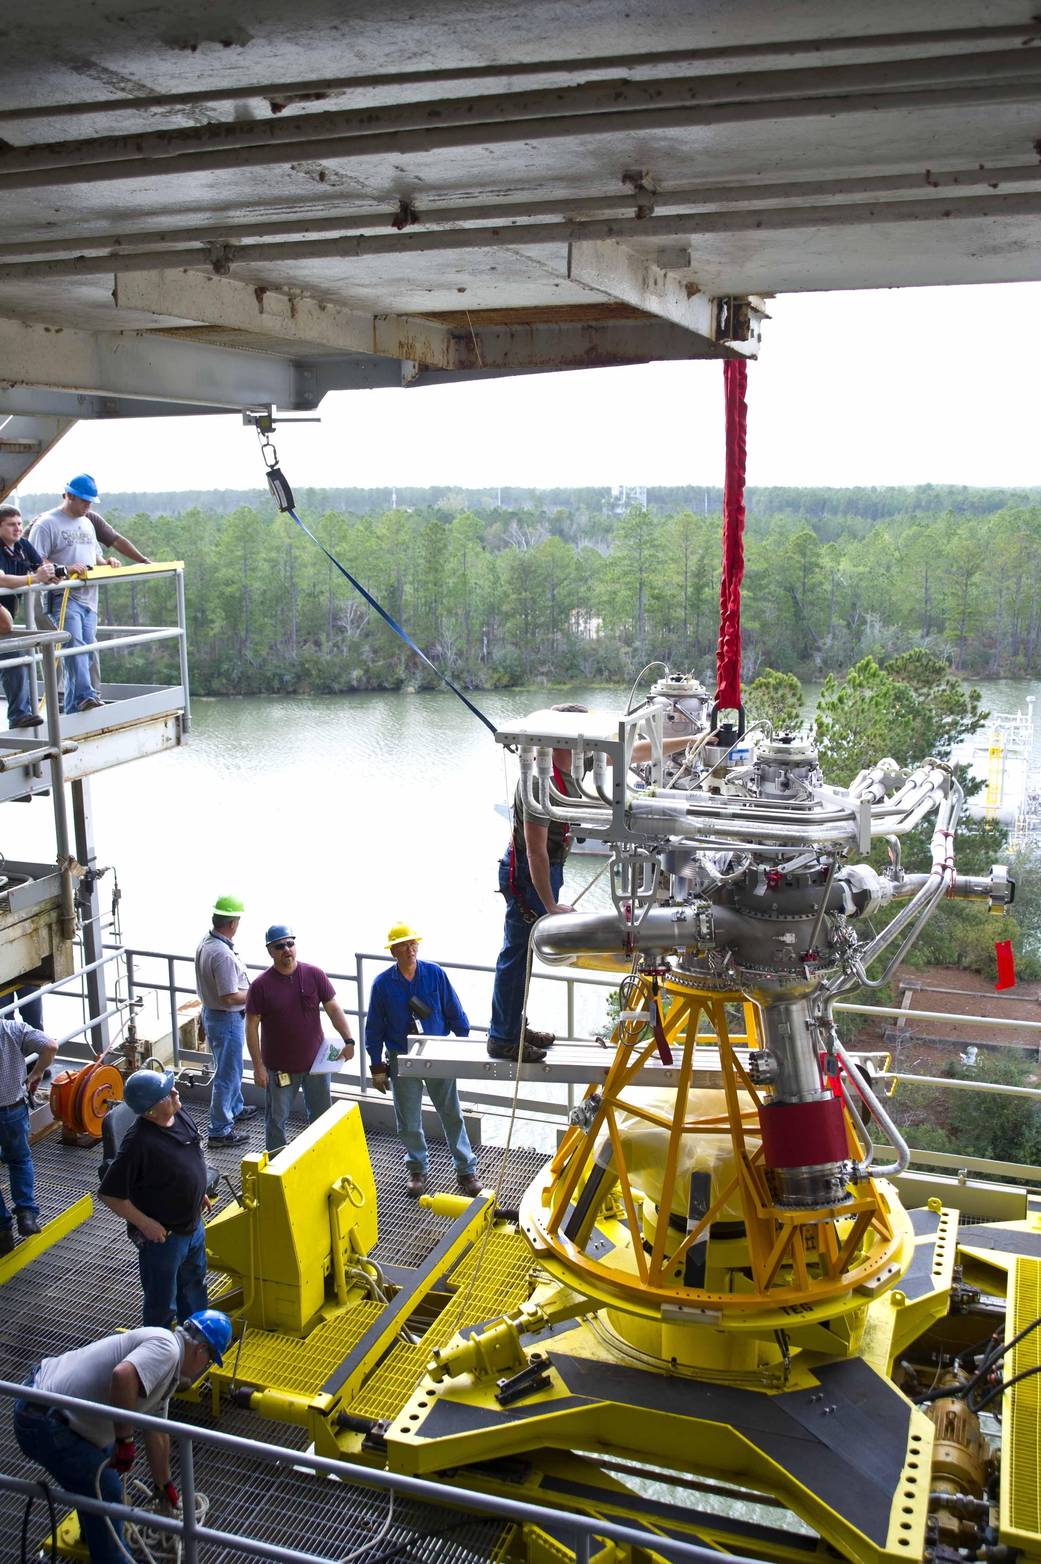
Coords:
530,877
132,1371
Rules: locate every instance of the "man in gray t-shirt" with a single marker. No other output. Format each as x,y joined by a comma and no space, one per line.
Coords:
133,1371
221,982
67,538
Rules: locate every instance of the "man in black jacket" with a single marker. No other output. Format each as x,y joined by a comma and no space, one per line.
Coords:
157,1184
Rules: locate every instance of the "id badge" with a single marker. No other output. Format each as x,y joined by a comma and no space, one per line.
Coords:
284,1078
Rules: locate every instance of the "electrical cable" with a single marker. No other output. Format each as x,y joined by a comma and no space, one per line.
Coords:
995,1355
53,1518
145,1538
356,1553
636,682
1000,1388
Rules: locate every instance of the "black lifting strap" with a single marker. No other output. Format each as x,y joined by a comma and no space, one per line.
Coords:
283,497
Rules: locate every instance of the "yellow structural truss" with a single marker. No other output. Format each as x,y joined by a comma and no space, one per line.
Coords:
784,1258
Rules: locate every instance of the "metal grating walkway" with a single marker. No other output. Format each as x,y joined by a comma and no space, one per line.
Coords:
87,1286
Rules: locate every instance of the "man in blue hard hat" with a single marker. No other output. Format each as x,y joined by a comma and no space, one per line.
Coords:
157,1183
284,1033
132,1371
66,538
222,984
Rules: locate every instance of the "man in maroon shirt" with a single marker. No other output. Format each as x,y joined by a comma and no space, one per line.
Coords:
284,1033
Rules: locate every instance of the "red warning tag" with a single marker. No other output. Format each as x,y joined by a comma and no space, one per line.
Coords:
1006,964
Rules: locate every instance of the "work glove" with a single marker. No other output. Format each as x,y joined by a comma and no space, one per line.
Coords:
380,1079
168,1495
123,1456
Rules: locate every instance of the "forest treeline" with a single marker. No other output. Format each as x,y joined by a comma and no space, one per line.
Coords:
567,589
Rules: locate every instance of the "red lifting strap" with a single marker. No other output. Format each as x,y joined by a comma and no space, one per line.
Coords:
728,653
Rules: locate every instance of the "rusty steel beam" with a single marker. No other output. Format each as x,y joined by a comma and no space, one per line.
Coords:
280,94
712,197
590,108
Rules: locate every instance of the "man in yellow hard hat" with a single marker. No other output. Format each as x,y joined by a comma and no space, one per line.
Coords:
222,982
413,996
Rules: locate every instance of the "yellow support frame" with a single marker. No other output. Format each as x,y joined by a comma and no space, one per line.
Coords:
799,1258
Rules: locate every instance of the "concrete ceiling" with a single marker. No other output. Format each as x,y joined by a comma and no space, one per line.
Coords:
208,206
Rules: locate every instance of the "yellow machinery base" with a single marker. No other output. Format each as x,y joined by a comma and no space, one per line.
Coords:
481,1367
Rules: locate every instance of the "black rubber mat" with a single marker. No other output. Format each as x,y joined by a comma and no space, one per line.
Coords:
87,1285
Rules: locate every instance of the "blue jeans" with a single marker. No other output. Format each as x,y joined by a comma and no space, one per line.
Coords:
82,624
408,1114
279,1102
173,1276
508,992
14,1149
226,1034
73,1463
16,688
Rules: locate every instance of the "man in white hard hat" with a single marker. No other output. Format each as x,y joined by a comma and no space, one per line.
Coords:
222,984
410,996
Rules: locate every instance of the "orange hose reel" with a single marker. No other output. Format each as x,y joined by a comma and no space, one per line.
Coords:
81,1098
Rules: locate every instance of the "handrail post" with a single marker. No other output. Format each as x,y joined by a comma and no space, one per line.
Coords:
61,816
363,1058
175,1035
182,649
30,626
581,1547
189,1540
90,910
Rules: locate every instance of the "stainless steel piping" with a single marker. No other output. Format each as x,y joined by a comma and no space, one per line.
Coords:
867,1168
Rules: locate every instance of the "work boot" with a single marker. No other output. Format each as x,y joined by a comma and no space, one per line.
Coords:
28,721
248,1112
6,1240
469,1184
498,1050
232,1138
28,1223
538,1039
92,703
417,1184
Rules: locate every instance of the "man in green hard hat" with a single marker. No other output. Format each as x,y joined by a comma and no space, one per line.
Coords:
222,983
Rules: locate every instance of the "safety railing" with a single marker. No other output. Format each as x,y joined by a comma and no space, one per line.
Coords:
359,980
580,1531
556,1108
62,988
23,646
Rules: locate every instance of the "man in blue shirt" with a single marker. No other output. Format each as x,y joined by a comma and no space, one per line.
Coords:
410,996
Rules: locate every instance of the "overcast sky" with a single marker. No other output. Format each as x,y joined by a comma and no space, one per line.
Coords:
915,386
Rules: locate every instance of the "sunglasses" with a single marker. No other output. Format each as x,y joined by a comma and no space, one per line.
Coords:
283,944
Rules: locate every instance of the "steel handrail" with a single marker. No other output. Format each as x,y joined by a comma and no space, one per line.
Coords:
584,1529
